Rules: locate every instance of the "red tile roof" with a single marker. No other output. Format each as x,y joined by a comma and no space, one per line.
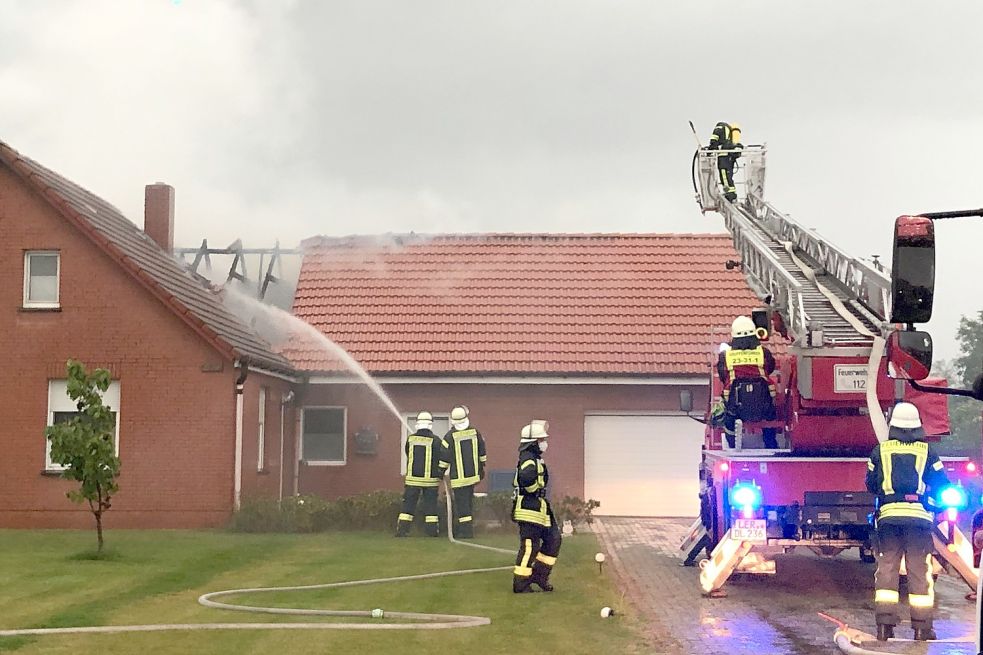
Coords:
146,261
536,304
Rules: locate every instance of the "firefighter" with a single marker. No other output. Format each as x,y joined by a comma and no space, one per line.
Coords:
463,452
749,394
905,473
539,535
424,469
727,136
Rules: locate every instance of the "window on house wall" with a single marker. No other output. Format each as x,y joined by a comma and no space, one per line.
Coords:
261,432
441,424
61,408
41,270
323,430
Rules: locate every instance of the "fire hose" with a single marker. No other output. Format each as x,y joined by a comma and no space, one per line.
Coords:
850,640
414,620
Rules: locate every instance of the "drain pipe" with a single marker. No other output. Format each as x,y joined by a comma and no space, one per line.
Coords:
285,400
243,366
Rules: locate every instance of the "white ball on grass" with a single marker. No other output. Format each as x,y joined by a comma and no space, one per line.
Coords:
606,612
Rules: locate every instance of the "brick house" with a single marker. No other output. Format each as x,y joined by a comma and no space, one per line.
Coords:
79,280
598,333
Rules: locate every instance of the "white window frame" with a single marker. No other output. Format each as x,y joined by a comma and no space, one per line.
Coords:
344,437
59,401
408,423
261,433
41,304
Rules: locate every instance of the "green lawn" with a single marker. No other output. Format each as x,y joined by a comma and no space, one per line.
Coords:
156,577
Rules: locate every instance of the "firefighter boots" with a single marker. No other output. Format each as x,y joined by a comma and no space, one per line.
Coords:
925,634
522,584
541,575
884,632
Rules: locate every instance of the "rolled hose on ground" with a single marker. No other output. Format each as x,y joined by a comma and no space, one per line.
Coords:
418,620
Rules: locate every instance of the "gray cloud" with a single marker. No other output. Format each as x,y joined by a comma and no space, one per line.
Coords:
287,119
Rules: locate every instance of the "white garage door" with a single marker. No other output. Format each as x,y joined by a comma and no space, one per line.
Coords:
643,465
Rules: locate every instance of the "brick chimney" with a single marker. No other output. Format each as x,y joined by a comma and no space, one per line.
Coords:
158,214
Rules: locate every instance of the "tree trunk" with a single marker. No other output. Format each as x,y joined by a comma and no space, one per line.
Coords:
99,529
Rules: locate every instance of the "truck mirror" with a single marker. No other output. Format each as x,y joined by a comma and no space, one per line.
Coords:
913,270
686,401
910,353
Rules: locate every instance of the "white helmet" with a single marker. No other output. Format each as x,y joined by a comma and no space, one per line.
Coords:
535,431
459,417
905,416
743,327
424,421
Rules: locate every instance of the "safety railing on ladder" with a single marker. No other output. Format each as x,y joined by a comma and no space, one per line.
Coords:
764,272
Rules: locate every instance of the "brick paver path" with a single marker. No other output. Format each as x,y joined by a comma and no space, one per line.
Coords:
762,615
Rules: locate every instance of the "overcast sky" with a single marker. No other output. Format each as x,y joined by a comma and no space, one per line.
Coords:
282,119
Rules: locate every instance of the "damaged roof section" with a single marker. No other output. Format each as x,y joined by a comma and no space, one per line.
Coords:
199,306
519,304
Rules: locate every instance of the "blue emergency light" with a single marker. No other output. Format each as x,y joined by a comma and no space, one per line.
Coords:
953,497
746,495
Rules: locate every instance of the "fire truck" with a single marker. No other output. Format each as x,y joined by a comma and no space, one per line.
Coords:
842,358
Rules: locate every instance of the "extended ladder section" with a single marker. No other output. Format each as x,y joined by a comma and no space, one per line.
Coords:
814,285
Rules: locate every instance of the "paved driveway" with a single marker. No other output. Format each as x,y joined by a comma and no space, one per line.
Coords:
761,614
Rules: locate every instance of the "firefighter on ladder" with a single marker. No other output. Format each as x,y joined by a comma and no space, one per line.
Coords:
424,469
539,535
463,451
744,367
727,136
904,472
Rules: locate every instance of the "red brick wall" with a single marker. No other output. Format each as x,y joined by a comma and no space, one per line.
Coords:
266,482
498,411
177,430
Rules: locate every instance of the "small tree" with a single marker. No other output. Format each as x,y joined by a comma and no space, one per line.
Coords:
84,445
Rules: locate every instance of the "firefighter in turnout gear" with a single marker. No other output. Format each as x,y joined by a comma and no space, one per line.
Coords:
463,452
905,473
424,469
744,368
539,535
727,136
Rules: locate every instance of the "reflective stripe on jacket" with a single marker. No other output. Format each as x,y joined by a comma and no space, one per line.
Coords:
464,453
424,467
904,475
744,364
531,478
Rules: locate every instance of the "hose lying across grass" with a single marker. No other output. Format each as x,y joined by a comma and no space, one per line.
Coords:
413,620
